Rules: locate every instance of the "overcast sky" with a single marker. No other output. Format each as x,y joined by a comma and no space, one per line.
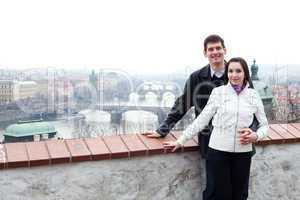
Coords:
139,35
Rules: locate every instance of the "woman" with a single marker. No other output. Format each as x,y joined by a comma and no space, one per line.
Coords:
232,108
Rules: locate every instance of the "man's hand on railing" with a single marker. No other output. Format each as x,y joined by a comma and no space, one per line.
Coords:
152,134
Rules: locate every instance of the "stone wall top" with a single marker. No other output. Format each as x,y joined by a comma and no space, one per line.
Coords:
52,152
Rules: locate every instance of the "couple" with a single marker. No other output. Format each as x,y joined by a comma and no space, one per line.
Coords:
230,118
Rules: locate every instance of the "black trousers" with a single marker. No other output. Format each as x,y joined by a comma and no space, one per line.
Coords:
227,175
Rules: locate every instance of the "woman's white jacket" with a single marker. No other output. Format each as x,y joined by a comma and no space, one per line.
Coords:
230,112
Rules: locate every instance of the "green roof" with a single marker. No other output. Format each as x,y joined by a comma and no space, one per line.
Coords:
27,129
263,89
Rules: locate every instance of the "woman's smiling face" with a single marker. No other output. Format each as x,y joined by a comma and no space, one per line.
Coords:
236,74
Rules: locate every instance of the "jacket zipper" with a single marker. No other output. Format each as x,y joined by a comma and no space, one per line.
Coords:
237,119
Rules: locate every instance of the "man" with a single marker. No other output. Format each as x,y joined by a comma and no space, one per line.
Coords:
196,93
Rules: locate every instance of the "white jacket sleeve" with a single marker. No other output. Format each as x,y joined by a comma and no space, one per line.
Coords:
261,117
202,120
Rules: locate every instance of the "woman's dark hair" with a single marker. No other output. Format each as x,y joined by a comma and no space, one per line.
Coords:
213,39
245,68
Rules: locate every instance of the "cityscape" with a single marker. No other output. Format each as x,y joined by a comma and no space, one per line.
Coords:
97,102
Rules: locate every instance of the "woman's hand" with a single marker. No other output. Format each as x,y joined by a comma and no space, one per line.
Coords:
247,136
171,145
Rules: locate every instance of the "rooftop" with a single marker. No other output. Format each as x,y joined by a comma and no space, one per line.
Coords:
26,129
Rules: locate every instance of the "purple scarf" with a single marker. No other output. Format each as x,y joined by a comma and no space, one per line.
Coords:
238,89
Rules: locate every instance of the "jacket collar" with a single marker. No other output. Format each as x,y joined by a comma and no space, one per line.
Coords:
231,89
212,72
205,73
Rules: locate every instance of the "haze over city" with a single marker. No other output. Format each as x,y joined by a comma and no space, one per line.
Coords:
143,35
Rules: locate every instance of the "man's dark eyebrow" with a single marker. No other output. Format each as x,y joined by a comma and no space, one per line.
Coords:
217,47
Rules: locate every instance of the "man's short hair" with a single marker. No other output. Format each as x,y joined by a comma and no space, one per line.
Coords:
213,39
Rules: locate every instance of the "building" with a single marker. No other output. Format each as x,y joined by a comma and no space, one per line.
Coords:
6,91
27,130
264,91
16,90
288,102
25,89
110,86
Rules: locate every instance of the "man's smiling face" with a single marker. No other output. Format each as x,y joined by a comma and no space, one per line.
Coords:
215,53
